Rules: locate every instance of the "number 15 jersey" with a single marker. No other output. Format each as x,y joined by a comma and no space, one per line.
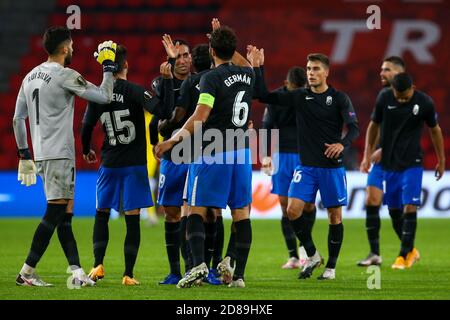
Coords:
124,124
228,90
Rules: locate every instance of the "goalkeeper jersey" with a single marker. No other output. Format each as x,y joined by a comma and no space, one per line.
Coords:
46,96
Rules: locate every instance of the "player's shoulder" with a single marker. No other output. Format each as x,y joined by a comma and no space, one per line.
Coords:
385,93
195,77
424,98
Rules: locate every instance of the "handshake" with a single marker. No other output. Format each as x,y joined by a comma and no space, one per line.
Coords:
106,55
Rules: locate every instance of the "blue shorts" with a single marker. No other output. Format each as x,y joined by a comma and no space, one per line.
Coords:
221,184
284,164
128,185
403,187
171,183
376,177
331,182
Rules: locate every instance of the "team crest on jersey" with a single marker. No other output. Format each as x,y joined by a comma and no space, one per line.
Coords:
329,100
81,81
416,109
147,95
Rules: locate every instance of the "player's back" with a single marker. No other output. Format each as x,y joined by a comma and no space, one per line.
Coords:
123,124
231,89
50,110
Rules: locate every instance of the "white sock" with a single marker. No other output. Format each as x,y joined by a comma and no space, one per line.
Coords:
27,270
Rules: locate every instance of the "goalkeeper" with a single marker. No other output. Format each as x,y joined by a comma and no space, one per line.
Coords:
46,97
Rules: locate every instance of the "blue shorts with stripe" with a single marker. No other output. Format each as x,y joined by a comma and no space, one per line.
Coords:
213,184
128,186
376,177
331,182
172,178
403,187
284,165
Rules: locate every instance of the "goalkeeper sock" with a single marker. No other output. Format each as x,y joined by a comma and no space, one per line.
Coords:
373,224
67,240
172,235
196,237
218,243
100,236
53,216
289,237
132,241
243,243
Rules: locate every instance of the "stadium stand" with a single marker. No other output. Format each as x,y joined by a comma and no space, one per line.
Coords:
139,25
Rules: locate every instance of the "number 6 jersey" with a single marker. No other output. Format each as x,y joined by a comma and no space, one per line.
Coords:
228,90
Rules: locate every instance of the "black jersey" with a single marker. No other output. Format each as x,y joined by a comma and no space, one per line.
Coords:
320,119
283,119
168,91
123,123
228,90
401,128
189,93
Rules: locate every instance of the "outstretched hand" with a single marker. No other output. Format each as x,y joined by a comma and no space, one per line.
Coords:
171,49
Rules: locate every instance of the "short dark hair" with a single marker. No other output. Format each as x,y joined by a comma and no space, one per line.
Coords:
121,57
181,42
224,41
402,82
201,58
396,60
319,57
53,37
297,76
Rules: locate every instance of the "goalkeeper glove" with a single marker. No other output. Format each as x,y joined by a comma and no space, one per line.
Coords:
27,168
106,55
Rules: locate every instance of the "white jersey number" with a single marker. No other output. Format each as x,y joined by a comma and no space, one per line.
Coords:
240,110
118,126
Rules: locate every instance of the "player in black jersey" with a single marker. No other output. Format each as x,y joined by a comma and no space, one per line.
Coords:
184,107
122,179
224,103
321,112
400,113
374,191
285,160
172,176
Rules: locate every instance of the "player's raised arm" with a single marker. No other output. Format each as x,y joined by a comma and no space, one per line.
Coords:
75,83
256,57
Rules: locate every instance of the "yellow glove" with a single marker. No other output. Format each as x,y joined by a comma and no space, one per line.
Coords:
27,172
106,52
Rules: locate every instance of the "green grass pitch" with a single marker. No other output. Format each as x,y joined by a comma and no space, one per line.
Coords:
428,279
